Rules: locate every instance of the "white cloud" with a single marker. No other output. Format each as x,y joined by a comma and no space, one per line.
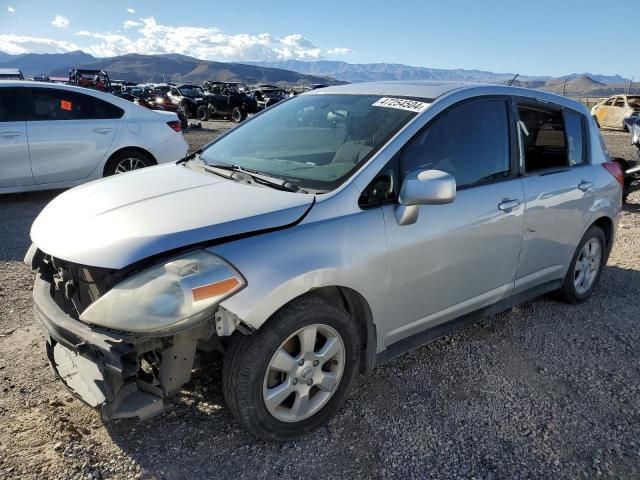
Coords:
147,36
18,44
339,51
11,10
60,22
131,10
131,24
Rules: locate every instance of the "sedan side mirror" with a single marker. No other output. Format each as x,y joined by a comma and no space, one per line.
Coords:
426,187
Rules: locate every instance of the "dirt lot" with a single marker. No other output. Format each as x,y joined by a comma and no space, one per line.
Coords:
543,391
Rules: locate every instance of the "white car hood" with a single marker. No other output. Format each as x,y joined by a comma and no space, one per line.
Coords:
120,220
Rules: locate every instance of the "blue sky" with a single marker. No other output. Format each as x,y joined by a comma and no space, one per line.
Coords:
543,37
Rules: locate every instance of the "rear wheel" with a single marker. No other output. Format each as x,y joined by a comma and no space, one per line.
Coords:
127,161
203,113
586,267
294,374
238,115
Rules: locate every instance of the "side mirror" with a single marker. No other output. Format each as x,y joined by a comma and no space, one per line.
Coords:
427,187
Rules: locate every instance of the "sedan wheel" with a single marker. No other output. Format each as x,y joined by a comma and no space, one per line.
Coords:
303,373
129,164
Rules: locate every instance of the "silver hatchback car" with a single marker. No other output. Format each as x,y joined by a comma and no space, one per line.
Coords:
322,237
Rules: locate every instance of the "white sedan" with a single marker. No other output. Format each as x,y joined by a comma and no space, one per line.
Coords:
58,136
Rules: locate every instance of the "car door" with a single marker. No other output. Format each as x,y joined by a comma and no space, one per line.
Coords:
69,134
616,113
558,186
459,257
603,111
15,169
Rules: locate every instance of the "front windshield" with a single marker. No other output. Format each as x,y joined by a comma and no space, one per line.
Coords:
634,102
314,141
191,91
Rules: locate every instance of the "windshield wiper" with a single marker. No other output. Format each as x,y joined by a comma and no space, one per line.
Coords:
255,175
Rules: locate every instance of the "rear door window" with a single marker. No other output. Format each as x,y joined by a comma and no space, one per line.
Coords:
470,141
619,102
574,126
11,105
53,104
543,140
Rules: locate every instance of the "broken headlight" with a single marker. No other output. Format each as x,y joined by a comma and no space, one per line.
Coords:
166,296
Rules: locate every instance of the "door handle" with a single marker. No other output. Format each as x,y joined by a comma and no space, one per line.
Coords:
508,204
584,185
10,134
103,130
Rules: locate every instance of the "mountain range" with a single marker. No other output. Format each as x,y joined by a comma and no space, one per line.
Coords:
182,68
158,68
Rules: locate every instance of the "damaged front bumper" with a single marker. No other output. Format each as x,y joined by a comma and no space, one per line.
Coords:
126,375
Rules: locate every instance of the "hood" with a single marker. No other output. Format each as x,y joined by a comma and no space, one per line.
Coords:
116,221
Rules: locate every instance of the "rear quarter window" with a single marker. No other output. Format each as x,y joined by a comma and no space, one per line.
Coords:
11,107
50,104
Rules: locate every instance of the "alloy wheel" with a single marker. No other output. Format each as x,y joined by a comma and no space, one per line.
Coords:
129,164
304,373
587,266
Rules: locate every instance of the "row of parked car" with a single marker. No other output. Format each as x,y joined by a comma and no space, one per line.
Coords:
223,100
213,99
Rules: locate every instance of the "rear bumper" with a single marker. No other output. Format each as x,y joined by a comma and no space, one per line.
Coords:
171,150
103,368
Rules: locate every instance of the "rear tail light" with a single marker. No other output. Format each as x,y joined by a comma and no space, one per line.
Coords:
615,169
175,125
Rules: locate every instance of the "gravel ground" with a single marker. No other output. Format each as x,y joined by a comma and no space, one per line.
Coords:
545,390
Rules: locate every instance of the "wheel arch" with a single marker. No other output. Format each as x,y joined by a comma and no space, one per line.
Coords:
358,309
127,149
607,226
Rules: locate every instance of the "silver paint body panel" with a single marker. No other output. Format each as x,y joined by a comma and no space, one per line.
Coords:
455,259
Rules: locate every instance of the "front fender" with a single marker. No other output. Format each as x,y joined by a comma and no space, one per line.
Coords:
348,251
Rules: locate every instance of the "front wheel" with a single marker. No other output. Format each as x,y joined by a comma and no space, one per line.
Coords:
586,267
294,374
203,113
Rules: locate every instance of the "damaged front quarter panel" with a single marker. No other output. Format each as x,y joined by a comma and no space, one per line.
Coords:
126,375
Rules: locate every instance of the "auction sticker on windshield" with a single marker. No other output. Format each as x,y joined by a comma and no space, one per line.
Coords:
402,104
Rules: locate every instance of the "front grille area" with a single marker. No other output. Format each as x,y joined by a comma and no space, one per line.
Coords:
75,287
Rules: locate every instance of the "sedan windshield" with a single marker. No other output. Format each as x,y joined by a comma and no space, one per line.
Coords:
314,141
191,91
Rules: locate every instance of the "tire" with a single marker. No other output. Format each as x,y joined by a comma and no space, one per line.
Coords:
187,109
203,113
248,376
570,292
238,115
183,119
127,160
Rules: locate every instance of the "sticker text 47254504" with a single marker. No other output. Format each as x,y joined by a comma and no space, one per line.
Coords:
402,104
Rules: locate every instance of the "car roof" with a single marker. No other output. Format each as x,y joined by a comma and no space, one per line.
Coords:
10,71
432,90
71,88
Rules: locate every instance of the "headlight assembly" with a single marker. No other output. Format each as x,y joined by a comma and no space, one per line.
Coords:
166,296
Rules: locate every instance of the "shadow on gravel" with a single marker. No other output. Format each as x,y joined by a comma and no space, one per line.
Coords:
17,213
539,391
